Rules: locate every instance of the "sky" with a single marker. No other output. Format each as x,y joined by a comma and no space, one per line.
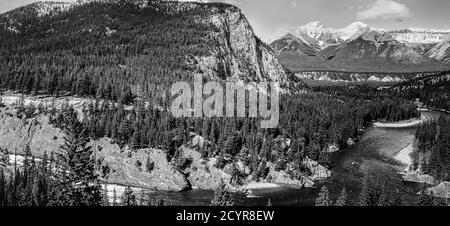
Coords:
270,18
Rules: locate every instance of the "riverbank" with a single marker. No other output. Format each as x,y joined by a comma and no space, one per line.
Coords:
254,186
400,124
404,156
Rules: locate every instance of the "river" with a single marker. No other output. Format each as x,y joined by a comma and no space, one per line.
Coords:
374,151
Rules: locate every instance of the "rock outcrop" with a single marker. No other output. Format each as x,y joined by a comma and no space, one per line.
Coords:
317,171
116,165
125,166
442,190
17,133
418,178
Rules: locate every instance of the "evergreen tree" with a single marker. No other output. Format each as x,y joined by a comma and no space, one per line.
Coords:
77,183
128,197
149,165
114,200
2,188
425,200
342,199
221,196
323,199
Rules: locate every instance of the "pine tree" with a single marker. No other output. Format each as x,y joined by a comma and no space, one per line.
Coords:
342,199
77,183
142,198
425,200
221,196
105,201
128,197
114,200
2,188
149,165
323,199
365,197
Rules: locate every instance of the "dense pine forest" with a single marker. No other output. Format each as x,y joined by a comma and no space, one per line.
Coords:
111,51
393,108
432,149
432,91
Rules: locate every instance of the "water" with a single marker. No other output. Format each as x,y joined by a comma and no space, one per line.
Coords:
374,151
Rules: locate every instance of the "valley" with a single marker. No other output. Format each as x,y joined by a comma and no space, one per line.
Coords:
85,109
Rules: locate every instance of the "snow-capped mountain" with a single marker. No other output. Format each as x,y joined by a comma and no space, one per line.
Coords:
373,48
418,35
325,37
358,48
440,51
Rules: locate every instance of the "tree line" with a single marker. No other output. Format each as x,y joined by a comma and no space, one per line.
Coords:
432,149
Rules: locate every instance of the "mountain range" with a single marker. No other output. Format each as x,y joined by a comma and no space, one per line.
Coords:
362,48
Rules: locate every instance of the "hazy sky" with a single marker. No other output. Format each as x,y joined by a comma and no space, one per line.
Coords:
271,17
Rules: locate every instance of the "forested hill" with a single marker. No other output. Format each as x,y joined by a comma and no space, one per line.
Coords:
118,49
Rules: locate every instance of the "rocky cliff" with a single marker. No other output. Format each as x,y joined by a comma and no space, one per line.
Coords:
238,53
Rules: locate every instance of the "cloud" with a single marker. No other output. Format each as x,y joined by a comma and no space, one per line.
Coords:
385,10
293,4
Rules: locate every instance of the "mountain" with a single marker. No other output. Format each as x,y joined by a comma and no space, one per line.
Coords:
296,52
423,36
440,51
361,48
116,48
330,36
377,51
316,33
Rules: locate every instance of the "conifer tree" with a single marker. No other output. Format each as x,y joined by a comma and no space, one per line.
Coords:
323,199
425,200
221,196
77,183
342,199
128,197
114,199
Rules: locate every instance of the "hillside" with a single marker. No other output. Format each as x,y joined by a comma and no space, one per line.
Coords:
119,49
298,53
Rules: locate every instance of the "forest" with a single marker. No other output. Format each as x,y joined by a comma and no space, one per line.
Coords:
111,51
432,149
313,122
432,91
376,190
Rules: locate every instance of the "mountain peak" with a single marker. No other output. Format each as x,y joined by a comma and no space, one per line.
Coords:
356,25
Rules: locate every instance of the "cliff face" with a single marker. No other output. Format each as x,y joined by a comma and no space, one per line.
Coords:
16,134
238,53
